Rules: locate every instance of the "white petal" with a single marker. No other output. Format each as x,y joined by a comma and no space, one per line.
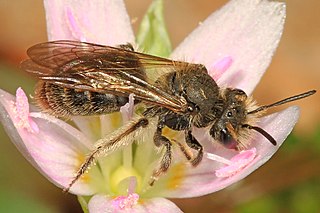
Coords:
54,149
246,32
101,204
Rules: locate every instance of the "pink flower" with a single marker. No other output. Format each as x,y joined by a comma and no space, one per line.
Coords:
235,43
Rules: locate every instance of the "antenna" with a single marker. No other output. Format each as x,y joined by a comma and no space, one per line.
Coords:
262,132
284,101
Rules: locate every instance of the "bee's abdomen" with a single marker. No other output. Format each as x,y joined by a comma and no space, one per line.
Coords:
65,102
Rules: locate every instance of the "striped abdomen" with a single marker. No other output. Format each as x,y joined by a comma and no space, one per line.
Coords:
64,102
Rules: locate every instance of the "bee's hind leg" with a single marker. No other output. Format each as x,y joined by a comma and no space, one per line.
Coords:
108,145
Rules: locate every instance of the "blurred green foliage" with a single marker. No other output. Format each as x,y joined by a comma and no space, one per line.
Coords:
12,78
12,201
303,198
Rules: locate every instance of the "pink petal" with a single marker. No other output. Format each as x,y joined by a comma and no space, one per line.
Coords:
54,149
101,21
203,180
247,32
101,203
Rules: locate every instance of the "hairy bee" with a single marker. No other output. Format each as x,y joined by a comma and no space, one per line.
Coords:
77,78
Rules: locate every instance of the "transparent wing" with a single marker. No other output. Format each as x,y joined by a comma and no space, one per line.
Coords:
102,69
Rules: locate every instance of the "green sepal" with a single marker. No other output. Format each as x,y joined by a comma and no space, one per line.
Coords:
152,36
84,200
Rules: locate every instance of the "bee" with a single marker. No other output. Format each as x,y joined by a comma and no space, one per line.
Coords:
78,78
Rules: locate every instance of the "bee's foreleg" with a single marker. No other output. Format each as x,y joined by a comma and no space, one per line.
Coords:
108,145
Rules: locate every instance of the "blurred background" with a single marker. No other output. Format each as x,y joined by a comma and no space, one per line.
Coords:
290,182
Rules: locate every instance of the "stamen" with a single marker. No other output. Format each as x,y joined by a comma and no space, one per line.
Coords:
238,163
218,158
127,113
132,185
121,174
22,115
127,109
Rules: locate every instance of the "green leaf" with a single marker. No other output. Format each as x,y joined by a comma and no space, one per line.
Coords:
153,37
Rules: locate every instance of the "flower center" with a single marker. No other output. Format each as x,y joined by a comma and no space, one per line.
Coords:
120,174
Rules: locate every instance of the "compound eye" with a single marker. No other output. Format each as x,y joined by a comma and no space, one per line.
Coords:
227,140
240,92
190,109
229,114
193,108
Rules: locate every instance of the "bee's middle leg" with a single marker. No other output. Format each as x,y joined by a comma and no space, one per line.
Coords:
193,143
166,160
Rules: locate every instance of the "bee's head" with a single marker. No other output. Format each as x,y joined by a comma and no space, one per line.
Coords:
227,127
239,116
